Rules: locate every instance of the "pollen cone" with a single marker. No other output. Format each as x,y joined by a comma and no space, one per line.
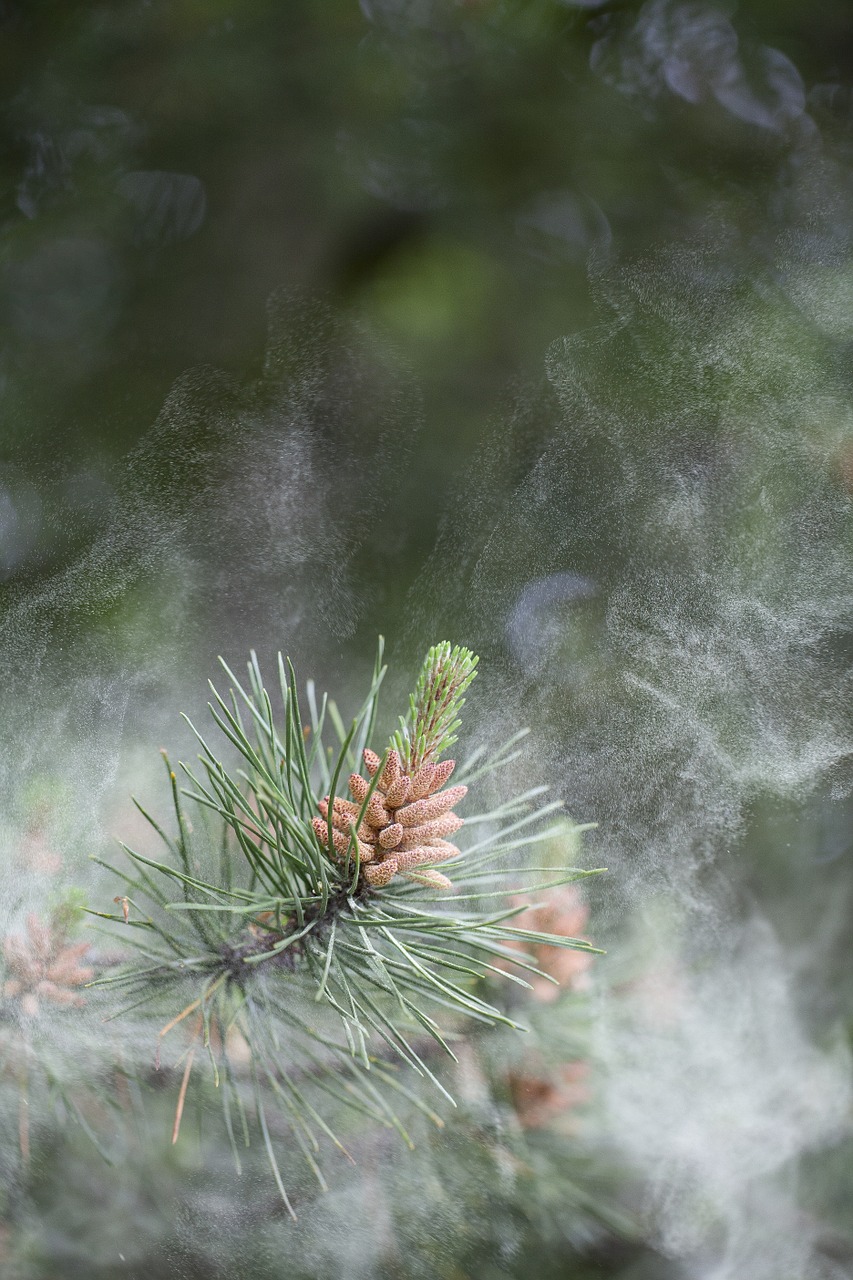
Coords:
406,823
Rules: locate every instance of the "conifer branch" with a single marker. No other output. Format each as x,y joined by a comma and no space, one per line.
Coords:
313,937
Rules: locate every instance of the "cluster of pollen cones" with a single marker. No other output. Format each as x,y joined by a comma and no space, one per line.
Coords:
405,823
44,966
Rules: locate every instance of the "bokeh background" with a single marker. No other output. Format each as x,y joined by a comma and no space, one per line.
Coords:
528,325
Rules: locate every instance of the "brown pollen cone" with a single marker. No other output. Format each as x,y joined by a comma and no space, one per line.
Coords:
542,1101
565,914
405,825
44,966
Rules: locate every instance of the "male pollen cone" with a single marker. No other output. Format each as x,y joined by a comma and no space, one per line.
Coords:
405,825
43,965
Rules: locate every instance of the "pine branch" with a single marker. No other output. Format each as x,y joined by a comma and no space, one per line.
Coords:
314,938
